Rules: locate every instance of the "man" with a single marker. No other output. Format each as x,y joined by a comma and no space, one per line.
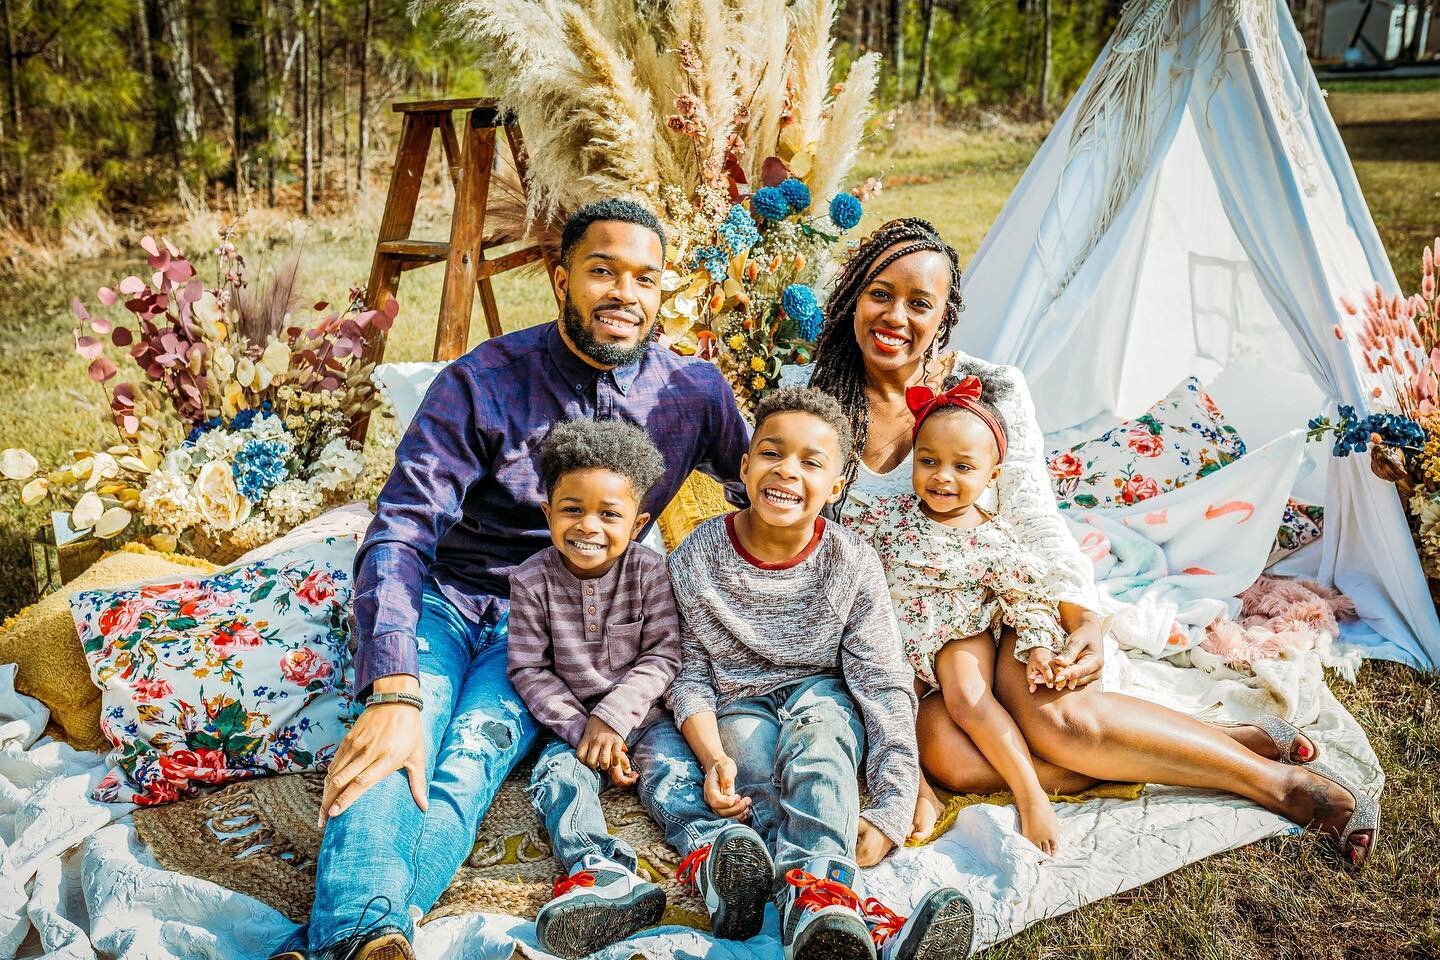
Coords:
442,726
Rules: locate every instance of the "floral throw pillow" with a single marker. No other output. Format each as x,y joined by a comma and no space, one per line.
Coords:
1301,524
1180,439
237,674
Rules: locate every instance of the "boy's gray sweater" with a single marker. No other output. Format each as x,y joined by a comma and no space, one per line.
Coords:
747,630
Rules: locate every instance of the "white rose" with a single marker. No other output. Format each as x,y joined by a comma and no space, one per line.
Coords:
179,460
218,502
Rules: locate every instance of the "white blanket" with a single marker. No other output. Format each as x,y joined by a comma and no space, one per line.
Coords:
76,883
76,880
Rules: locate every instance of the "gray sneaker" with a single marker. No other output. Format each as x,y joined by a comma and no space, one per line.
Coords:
820,914
735,875
599,904
940,927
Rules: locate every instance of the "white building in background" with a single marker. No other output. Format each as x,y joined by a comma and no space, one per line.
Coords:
1388,29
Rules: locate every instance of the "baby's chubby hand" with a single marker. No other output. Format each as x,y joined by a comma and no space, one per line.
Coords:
1040,668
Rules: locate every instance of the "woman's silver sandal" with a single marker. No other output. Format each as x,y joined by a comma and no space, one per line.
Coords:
1283,734
1362,830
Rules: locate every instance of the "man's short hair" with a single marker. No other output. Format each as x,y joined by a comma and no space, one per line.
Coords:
613,445
613,209
811,401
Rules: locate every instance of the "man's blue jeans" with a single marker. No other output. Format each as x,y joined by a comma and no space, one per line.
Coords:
797,751
383,849
566,794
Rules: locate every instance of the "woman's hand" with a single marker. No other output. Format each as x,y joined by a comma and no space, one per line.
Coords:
871,845
1083,659
385,738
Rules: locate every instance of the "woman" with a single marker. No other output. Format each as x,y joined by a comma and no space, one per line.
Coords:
894,304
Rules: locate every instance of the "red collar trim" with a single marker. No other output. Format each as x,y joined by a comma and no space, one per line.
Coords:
755,561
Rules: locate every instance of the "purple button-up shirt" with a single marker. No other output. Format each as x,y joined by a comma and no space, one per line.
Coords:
462,505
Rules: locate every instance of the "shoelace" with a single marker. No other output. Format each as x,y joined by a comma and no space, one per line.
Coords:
580,878
356,930
816,892
689,869
887,923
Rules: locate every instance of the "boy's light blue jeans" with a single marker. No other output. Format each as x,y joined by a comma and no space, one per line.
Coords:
566,795
797,751
382,852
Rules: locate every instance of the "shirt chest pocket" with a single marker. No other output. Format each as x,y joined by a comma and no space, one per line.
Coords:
622,643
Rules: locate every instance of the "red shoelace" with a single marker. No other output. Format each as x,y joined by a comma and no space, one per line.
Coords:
580,878
816,892
689,869
887,923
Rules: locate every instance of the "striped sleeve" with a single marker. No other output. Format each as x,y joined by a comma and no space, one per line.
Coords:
532,668
658,661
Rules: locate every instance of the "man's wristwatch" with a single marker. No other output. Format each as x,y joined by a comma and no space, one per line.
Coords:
410,698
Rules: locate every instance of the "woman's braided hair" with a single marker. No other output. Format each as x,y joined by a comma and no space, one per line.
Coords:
839,365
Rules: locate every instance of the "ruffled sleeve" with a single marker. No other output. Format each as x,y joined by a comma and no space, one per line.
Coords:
1027,500
1017,579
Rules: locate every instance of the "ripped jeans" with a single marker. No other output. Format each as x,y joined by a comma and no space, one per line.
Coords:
566,795
797,753
383,848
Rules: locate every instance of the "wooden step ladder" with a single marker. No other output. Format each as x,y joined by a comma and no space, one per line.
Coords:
466,267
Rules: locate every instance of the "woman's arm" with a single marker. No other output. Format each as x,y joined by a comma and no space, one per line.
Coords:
1027,500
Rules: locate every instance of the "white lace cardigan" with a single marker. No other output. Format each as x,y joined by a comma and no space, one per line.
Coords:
1022,495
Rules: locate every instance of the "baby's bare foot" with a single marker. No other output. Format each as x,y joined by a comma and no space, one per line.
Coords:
1040,826
927,814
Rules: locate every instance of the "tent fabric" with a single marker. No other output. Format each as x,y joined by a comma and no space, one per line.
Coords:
1194,211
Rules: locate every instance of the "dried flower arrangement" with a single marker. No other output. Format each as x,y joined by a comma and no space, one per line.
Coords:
236,429
722,118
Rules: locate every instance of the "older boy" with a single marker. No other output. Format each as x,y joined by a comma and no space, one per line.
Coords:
791,666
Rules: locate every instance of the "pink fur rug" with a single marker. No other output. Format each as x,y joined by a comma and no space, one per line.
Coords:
1279,618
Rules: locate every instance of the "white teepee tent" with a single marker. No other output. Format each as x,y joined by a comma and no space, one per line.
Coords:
1194,212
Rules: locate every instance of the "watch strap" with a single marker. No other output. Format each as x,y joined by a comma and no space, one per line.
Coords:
410,698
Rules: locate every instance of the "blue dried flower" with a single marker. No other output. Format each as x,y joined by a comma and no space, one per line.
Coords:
845,210
738,231
200,429
258,467
770,203
714,260
799,303
797,195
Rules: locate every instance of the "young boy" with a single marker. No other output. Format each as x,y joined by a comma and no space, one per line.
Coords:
594,643
791,666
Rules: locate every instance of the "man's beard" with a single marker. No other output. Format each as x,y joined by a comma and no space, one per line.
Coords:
607,354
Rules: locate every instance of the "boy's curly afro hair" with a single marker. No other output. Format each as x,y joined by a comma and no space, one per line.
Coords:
811,401
612,445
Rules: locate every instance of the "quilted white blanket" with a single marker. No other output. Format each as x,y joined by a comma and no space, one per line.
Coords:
76,883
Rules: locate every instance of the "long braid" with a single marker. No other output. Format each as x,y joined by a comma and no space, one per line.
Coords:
839,365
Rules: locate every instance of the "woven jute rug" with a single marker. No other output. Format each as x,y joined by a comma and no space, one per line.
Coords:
258,837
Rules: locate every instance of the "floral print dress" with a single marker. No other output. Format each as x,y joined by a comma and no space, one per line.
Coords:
947,583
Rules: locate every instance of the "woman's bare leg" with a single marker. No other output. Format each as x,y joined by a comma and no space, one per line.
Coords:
952,761
1111,736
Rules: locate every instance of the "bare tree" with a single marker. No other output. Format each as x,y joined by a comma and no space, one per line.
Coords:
927,19
895,29
360,141
1043,98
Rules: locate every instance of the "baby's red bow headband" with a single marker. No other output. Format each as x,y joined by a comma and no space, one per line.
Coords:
924,401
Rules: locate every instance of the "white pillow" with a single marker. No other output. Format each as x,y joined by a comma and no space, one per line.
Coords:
404,385
346,520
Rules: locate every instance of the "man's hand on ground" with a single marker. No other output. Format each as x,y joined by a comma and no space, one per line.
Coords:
871,845
385,738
